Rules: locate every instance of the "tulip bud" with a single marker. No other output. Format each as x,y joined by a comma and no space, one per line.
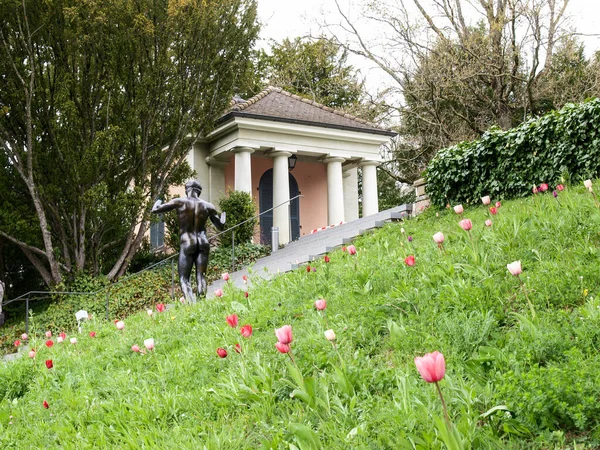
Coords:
486,200
330,335
515,268
458,209
438,237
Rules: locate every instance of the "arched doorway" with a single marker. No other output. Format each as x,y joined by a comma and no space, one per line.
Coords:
265,201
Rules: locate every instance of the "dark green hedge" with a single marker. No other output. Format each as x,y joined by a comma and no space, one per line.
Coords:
506,164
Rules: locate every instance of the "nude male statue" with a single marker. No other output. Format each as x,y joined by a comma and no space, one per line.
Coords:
194,248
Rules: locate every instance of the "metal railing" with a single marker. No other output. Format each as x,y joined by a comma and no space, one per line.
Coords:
27,297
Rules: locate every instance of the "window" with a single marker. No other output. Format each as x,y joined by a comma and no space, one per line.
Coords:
157,234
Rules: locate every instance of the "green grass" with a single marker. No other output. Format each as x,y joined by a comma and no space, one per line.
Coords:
512,381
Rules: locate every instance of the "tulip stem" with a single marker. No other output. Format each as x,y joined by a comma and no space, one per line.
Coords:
443,406
292,358
527,297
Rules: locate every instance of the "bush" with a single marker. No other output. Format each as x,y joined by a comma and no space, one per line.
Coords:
507,164
239,207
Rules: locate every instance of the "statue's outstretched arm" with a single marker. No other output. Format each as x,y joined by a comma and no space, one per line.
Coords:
159,208
218,222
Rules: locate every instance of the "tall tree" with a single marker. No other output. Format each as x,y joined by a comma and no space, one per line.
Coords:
99,104
458,67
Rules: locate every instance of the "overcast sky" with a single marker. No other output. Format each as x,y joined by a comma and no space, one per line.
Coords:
292,18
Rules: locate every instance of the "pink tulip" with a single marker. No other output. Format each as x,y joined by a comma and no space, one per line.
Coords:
218,293
488,223
458,209
160,307
59,339
63,335
543,187
498,204
321,304
32,353
246,331
351,249
245,279
225,276
438,237
431,366
534,189
409,260
120,324
283,348
48,334
135,348
149,344
73,340
92,334
284,334
222,352
587,184
560,187
466,224
514,268
486,200
232,320
493,210
24,336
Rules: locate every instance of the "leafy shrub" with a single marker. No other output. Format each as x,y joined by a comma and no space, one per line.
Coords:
507,164
239,207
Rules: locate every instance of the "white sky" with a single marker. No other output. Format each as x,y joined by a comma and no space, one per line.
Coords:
292,18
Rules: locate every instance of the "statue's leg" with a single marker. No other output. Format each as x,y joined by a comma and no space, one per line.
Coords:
186,263
201,265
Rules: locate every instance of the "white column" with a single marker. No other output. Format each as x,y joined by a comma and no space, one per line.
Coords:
281,193
243,169
335,190
216,180
370,202
350,194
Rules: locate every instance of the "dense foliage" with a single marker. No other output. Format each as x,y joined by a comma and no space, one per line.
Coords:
517,376
239,207
506,164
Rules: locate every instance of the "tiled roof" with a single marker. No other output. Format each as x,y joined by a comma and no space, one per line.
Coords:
276,104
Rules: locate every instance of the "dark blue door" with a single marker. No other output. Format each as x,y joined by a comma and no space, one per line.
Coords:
265,200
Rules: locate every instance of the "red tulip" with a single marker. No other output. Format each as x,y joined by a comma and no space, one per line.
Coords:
63,335
238,348
49,364
246,294
135,348
283,348
45,404
17,343
560,187
326,259
352,250
245,279
543,187
493,210
466,224
160,307
232,320
409,260
218,293
308,268
92,334
49,343
222,352
246,331
344,248
321,304
431,366
284,334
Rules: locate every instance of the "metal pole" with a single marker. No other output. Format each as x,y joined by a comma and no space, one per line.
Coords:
27,315
107,290
274,239
172,279
233,250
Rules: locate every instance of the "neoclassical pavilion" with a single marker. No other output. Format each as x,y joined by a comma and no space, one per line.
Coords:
257,142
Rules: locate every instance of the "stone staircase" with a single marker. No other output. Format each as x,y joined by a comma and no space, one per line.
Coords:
312,246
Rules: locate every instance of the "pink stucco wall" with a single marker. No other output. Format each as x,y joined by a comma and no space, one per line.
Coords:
312,183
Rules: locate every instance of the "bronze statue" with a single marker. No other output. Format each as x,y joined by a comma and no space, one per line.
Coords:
194,246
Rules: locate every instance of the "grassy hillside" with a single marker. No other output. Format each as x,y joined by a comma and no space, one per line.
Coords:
518,375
